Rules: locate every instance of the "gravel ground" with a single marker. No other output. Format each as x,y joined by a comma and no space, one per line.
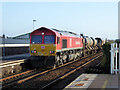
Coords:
42,80
72,77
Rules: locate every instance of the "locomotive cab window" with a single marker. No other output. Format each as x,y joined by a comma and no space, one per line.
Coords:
36,39
58,40
49,39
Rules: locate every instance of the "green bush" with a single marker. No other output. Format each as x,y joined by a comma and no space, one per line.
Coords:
106,57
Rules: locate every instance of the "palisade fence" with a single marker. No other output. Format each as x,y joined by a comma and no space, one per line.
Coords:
115,58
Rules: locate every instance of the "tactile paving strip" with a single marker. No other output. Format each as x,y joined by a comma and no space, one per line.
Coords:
83,81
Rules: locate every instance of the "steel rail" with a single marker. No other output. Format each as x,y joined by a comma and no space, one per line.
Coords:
13,76
28,78
38,74
67,74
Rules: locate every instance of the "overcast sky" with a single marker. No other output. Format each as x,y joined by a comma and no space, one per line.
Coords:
94,19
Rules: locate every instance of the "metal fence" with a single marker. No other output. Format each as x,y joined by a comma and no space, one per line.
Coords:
115,58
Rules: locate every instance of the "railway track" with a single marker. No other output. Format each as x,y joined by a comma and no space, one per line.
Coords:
12,80
52,75
54,82
11,67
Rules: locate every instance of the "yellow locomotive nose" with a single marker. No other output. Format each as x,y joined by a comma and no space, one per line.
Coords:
43,49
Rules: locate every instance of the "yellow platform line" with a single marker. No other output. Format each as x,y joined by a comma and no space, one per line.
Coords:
105,83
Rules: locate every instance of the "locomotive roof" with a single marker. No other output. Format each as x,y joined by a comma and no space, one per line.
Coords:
68,33
61,32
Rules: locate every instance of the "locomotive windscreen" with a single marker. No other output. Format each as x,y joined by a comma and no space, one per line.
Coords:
36,39
49,39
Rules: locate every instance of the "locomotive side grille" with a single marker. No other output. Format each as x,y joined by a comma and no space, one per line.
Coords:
64,43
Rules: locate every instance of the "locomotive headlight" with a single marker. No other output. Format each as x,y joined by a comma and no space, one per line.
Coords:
34,51
52,52
42,33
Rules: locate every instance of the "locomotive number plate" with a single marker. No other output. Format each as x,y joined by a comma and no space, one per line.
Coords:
43,47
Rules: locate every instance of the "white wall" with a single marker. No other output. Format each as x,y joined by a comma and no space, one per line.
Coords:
14,41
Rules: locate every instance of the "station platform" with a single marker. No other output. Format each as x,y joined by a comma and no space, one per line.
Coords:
91,81
14,57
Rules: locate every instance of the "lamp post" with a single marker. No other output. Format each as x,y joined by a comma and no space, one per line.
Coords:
3,38
33,23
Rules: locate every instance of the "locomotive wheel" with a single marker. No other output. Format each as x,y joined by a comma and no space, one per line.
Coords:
76,56
57,61
80,54
64,58
61,61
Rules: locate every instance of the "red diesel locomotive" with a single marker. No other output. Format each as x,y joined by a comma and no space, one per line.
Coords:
51,47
